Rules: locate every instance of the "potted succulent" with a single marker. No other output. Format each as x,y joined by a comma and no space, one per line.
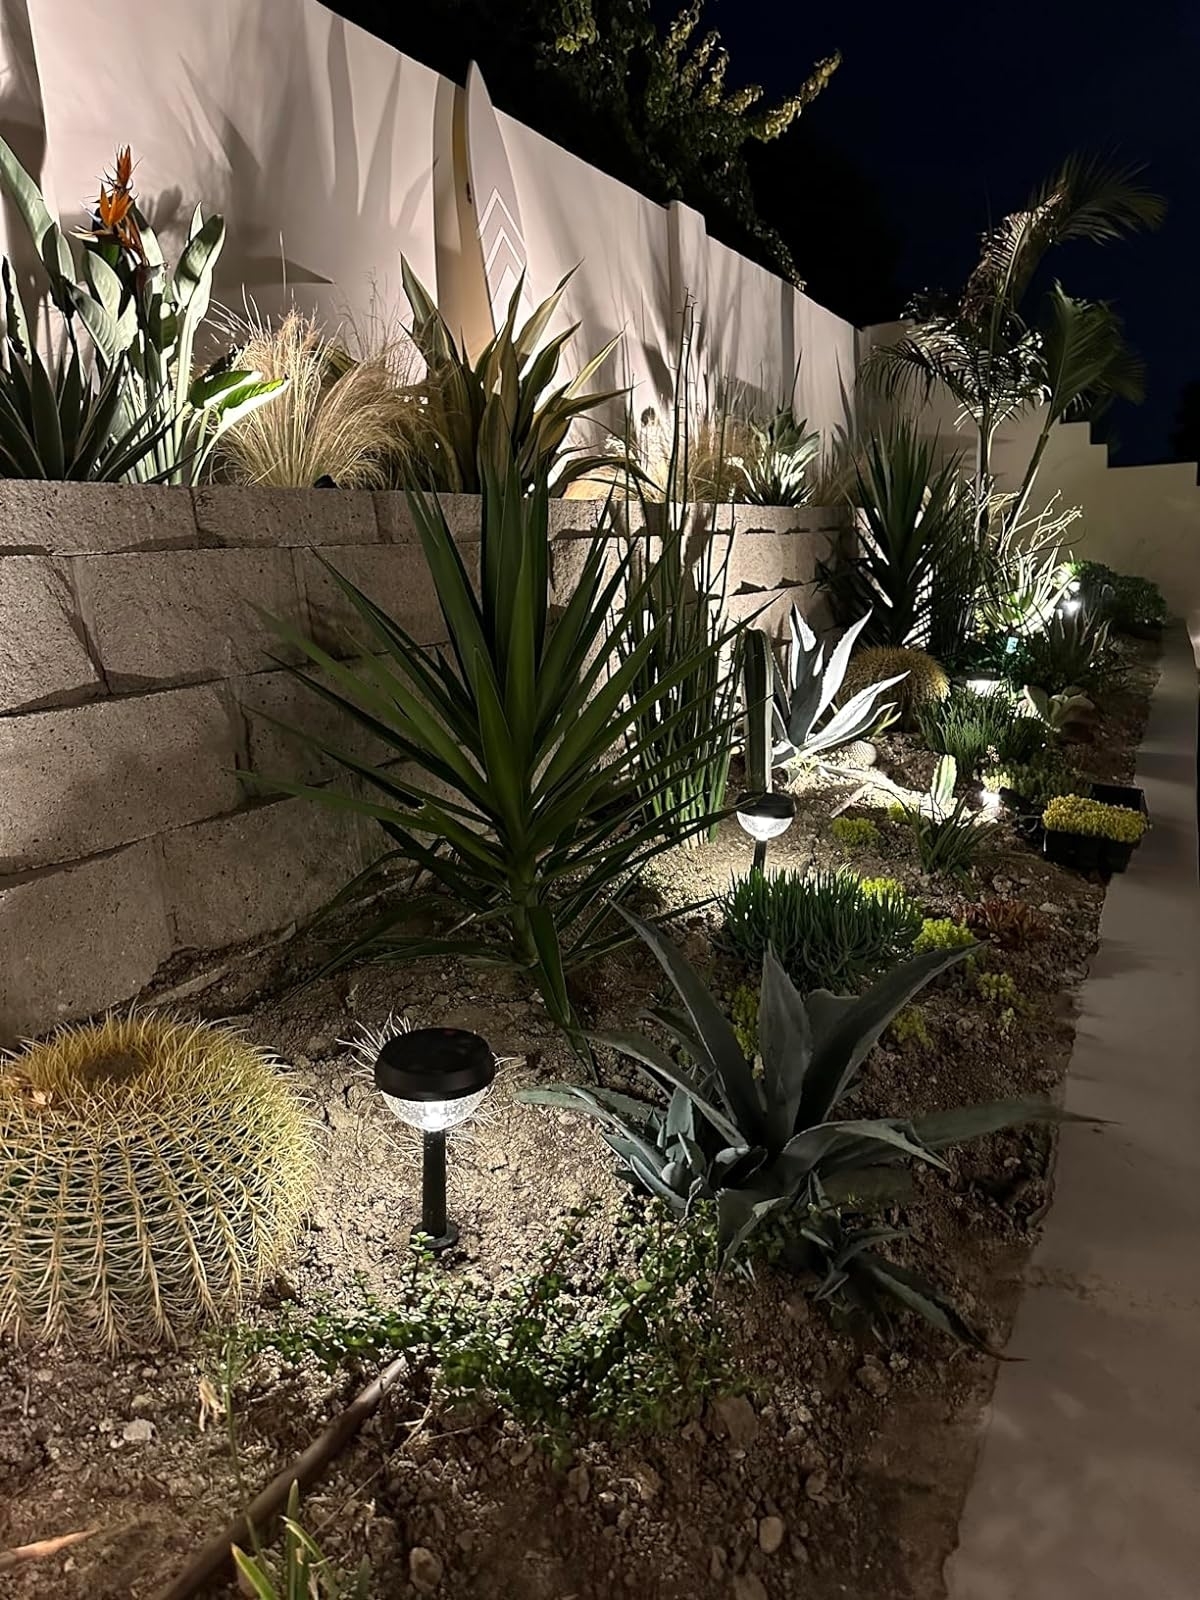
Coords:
1089,835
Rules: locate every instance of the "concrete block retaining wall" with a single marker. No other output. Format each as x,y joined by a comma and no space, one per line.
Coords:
132,658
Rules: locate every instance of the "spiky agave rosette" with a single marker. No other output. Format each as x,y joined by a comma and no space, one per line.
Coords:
152,1171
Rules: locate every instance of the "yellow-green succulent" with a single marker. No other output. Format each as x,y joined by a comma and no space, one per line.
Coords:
1072,813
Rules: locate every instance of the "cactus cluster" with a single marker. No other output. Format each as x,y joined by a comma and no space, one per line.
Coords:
1071,813
152,1171
924,681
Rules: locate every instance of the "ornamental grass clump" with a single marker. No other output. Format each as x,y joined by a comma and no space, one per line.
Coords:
152,1172
1072,813
825,930
966,725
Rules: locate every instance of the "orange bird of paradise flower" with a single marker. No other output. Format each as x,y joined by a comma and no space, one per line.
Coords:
114,218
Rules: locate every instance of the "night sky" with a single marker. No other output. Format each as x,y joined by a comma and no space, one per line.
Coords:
955,111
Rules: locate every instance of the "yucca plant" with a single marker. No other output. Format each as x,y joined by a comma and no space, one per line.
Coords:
916,569
826,931
139,318
791,717
531,802
947,832
303,1573
513,377
776,462
764,1138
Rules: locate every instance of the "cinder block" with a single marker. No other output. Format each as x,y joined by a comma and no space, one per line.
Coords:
94,518
77,782
273,752
246,514
397,525
185,616
43,660
395,577
80,938
237,877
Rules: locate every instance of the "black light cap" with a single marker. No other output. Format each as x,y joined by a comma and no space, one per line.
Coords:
774,806
434,1064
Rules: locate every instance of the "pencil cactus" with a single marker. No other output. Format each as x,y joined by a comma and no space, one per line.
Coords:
152,1171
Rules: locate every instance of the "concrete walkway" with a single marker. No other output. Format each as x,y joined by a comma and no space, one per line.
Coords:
1087,1485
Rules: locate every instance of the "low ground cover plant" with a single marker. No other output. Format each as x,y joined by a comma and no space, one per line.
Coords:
1074,813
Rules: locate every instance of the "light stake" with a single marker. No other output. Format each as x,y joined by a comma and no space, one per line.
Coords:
432,1079
765,817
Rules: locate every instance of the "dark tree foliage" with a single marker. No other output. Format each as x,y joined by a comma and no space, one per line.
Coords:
645,101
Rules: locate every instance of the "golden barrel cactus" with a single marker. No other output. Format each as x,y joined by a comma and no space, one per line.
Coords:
926,679
152,1171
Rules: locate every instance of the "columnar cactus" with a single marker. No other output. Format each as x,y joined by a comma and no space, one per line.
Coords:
152,1170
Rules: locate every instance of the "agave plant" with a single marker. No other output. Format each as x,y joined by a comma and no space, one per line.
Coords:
776,462
790,715
516,369
141,321
529,736
764,1138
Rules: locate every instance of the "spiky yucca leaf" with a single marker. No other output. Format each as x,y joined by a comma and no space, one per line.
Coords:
152,1171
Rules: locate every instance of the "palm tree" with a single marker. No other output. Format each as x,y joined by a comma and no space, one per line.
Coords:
996,363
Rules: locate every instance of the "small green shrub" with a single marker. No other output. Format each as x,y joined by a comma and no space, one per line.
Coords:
634,1343
942,933
908,1027
855,831
966,725
1073,814
1129,603
825,931
1074,652
884,887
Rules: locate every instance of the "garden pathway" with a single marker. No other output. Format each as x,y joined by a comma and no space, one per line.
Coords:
1087,1485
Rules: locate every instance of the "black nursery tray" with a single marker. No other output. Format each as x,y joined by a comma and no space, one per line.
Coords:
1121,794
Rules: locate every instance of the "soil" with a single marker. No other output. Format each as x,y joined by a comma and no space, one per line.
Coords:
840,1472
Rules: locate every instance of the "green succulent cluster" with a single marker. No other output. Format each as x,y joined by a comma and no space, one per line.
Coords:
1037,781
942,933
855,831
1127,602
1072,813
998,988
825,931
908,1027
882,888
